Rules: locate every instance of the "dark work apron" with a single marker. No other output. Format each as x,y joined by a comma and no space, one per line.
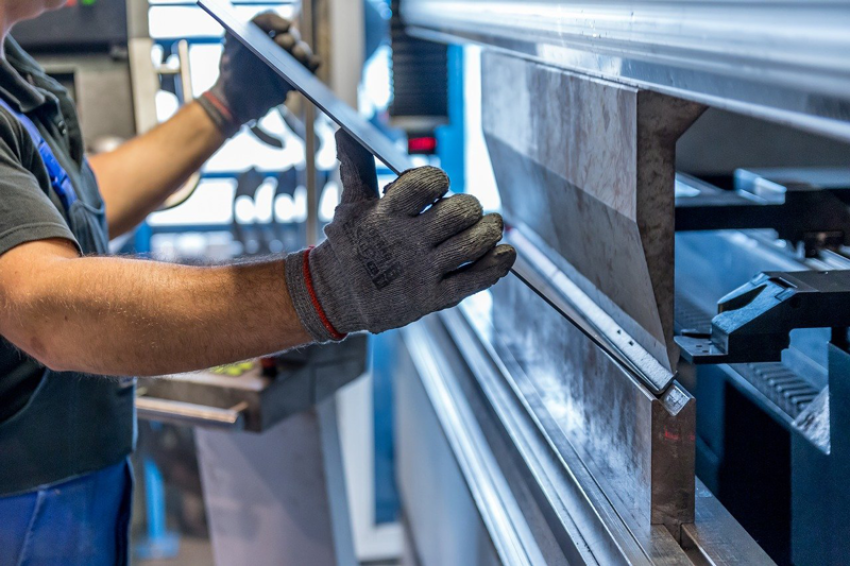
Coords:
72,424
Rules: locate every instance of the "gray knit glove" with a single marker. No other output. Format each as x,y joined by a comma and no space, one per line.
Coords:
388,261
247,88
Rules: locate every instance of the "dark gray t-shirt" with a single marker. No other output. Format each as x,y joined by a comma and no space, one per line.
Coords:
29,210
52,426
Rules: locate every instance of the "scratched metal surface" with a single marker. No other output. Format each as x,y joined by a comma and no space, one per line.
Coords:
639,447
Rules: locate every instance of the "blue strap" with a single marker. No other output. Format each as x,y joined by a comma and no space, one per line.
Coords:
59,179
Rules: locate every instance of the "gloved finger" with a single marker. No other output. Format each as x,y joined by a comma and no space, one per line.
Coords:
303,53
314,63
479,276
470,245
449,217
292,43
273,23
415,190
356,169
288,40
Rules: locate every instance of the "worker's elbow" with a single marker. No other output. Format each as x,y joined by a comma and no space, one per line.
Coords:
55,361
46,350
29,329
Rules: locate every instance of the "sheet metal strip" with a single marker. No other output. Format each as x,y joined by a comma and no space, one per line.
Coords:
307,84
643,368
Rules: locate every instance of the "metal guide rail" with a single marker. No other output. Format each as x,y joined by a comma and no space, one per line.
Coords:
532,267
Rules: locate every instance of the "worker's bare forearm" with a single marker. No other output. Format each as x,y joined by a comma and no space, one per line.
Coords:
112,316
136,178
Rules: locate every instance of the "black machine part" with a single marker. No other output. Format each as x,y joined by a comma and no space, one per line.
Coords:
801,212
754,322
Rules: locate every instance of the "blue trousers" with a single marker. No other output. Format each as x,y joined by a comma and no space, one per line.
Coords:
83,521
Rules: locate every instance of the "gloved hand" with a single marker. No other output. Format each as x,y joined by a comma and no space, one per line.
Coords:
388,261
247,88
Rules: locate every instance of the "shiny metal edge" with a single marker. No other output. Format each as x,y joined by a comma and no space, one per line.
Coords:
489,488
307,84
190,414
541,274
782,61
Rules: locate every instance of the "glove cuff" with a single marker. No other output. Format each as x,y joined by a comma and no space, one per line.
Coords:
220,113
299,281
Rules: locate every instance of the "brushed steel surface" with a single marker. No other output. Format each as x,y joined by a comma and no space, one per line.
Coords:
588,165
576,507
541,274
638,446
785,61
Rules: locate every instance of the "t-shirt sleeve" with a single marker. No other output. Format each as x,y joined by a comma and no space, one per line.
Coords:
26,212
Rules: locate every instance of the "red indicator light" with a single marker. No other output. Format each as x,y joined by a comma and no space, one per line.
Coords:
426,145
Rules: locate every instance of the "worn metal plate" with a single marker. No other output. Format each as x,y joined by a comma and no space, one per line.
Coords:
307,84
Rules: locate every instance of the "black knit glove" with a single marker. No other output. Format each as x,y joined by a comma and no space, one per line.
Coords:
388,261
247,88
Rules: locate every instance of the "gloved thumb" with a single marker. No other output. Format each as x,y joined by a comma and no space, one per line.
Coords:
357,170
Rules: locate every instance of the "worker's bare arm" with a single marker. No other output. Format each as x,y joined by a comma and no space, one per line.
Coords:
137,177
113,316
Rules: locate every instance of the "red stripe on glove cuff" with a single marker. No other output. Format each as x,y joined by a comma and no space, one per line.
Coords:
335,334
225,111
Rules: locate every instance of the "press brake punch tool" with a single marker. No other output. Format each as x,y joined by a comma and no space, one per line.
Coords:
639,364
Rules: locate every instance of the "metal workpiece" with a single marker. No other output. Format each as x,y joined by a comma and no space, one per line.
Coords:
589,166
307,84
783,61
252,401
755,321
536,267
799,210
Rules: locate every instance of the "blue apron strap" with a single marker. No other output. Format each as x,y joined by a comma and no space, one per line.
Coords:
59,179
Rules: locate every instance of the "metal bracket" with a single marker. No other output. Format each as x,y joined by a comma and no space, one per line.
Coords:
754,322
800,211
